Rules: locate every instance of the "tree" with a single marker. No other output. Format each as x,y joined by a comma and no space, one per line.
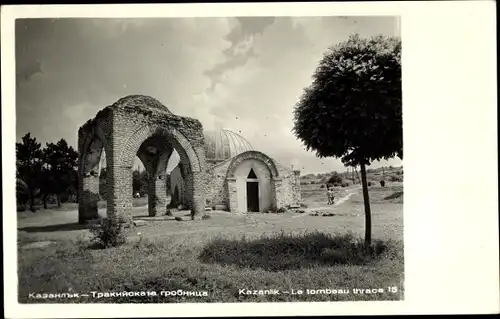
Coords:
335,179
47,182
353,109
29,164
61,160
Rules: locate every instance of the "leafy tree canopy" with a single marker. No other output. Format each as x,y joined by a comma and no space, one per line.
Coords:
353,108
29,159
61,160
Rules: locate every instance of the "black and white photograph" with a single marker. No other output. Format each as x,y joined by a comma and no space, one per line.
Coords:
210,159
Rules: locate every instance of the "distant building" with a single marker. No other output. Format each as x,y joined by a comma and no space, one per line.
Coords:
239,178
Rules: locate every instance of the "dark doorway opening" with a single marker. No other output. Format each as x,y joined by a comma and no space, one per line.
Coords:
252,196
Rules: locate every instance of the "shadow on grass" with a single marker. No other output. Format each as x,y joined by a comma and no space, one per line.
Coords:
285,252
54,228
394,195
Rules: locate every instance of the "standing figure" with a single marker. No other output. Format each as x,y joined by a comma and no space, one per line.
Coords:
329,195
332,196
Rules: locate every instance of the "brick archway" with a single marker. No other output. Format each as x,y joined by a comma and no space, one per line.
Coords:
141,125
189,159
171,135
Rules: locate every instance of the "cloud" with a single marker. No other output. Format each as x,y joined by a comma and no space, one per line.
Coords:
245,74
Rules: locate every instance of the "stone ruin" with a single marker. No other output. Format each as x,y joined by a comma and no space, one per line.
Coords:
139,125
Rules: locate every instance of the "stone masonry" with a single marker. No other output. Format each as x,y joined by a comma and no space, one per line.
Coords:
139,125
221,188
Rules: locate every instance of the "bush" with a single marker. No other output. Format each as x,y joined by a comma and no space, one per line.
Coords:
109,233
382,183
322,186
169,213
206,217
303,205
369,183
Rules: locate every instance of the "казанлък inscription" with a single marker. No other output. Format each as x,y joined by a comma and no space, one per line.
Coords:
178,160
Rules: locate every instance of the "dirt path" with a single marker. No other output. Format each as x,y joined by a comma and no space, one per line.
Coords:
347,196
338,202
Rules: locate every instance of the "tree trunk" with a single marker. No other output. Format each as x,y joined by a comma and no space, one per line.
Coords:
366,199
58,200
44,201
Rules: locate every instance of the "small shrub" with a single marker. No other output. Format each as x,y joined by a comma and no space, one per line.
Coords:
303,205
281,210
322,186
394,178
109,233
382,183
344,184
169,213
179,219
206,217
369,183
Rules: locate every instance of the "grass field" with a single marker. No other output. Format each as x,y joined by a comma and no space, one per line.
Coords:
221,255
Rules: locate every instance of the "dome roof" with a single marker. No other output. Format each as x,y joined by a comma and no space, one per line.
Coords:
224,144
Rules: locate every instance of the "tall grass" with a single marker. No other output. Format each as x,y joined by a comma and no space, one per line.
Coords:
282,251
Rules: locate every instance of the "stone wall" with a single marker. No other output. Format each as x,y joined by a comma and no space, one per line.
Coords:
290,188
216,189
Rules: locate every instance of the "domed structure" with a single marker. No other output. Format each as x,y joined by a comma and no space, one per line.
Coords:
224,144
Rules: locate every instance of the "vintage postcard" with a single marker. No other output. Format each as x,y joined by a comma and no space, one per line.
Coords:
222,155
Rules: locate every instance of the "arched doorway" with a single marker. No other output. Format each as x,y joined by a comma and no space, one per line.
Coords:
253,192
252,180
92,146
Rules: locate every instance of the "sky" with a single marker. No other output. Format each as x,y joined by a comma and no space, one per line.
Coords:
245,74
